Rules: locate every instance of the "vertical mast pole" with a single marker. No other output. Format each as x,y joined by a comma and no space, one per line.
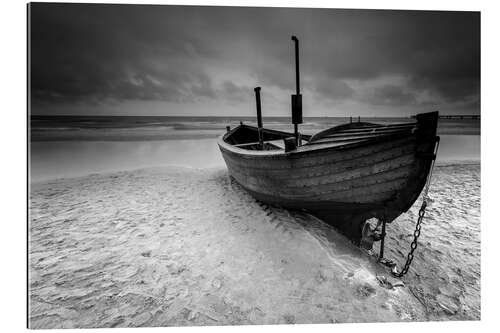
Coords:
297,98
297,72
259,114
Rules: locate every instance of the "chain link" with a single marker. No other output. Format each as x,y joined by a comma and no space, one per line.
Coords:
418,226
414,243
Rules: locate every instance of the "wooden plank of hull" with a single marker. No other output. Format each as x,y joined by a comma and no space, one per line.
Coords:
332,181
313,156
281,173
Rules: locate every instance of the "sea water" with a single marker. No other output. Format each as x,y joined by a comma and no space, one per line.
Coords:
64,147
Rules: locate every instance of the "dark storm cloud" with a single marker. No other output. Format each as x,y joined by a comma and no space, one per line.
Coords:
99,53
389,95
235,93
336,89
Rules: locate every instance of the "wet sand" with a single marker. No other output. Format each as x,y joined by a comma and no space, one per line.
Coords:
179,246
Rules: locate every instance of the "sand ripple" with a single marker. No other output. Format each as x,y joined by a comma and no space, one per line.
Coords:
164,246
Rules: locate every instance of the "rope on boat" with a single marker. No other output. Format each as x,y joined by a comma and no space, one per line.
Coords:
421,213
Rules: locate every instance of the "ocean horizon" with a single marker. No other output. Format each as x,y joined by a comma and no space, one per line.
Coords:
145,128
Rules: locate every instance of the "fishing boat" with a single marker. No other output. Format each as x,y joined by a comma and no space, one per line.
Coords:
344,175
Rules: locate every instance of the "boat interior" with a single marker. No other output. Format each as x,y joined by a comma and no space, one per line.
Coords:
247,137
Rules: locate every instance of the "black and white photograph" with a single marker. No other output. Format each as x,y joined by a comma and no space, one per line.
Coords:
197,165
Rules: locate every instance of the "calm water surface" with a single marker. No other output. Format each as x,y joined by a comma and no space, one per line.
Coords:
75,146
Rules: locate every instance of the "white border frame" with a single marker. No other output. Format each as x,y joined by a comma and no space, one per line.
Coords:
14,189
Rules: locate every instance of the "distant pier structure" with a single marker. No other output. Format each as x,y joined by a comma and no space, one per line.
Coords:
465,116
458,116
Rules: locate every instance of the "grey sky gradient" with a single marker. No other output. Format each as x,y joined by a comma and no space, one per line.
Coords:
187,60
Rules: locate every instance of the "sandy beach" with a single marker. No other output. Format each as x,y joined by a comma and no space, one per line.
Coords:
172,246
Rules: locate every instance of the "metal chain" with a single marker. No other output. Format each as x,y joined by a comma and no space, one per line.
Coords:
421,214
414,243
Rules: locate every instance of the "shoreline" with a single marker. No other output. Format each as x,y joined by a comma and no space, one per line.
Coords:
213,168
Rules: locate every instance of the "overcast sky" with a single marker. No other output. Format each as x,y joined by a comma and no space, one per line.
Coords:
182,60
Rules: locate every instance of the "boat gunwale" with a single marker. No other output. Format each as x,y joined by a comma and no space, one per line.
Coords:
304,149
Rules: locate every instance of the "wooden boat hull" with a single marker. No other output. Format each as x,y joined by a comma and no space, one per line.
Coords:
344,184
